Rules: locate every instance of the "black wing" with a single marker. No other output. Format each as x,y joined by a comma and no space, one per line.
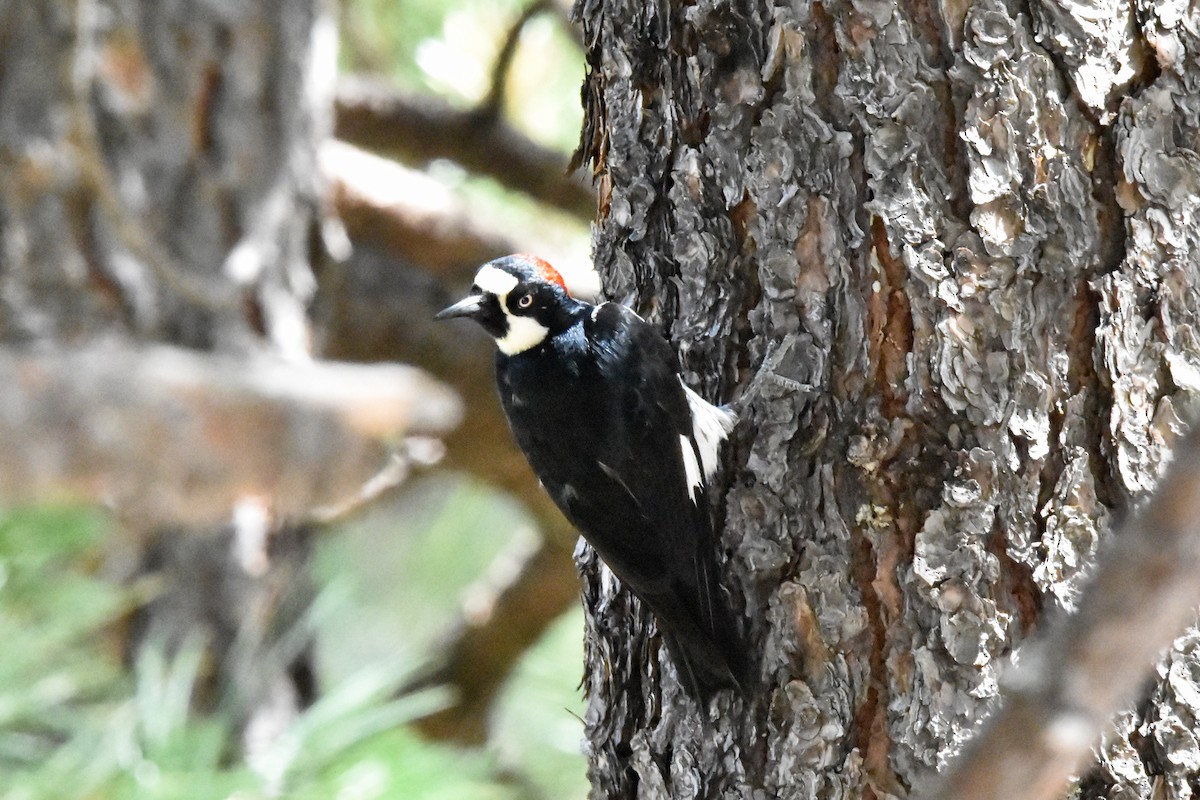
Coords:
607,440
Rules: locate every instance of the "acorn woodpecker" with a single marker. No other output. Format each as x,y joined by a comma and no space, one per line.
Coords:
595,400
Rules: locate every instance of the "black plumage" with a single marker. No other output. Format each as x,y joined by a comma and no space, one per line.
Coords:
597,405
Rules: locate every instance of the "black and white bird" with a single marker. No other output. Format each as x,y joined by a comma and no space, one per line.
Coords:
595,400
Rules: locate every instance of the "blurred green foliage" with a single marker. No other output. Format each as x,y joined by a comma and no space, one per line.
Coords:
401,573
75,724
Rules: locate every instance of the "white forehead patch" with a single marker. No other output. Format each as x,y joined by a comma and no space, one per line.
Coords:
495,281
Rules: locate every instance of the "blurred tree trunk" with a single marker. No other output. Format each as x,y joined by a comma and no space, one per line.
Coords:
944,258
158,182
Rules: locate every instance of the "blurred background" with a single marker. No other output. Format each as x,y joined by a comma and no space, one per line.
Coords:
439,626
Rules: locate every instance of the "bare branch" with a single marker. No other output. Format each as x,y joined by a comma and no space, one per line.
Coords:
168,435
1087,666
406,213
494,101
420,129
414,451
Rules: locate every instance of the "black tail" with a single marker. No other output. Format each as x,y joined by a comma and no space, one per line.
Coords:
705,668
708,650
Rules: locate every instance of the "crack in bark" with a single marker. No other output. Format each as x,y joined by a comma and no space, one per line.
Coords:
891,336
958,169
870,719
827,53
1017,578
1114,230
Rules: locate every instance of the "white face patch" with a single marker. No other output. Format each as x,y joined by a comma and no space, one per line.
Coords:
710,427
523,332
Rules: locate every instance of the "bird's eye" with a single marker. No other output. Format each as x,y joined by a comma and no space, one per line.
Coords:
525,301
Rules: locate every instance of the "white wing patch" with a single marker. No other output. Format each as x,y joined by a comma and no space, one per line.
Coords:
710,427
690,467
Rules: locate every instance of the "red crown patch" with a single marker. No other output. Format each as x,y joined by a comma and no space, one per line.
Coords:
544,270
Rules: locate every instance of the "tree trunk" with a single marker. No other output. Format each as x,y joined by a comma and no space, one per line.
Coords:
160,168
943,260
158,182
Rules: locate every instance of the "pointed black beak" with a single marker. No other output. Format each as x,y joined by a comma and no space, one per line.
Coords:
469,306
